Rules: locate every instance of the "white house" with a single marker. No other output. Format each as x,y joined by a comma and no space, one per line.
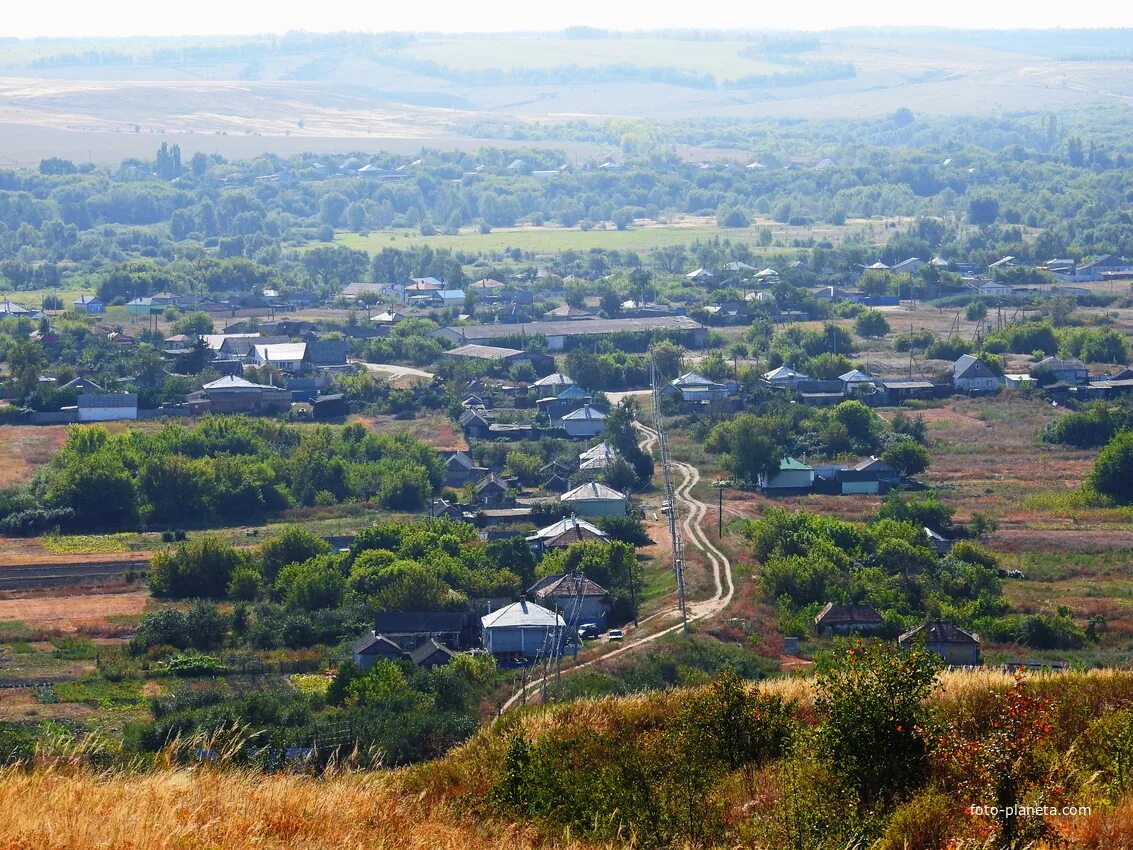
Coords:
587,421
287,356
578,599
523,630
594,499
784,376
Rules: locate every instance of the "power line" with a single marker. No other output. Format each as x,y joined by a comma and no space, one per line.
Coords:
670,493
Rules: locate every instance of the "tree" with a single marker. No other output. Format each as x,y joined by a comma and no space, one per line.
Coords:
313,584
199,567
335,266
907,457
749,452
194,324
294,545
871,698
871,323
983,210
1112,474
669,358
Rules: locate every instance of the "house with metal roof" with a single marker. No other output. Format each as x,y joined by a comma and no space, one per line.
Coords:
576,598
784,377
594,499
523,630
792,475
692,387
285,356
566,532
587,421
970,374
845,619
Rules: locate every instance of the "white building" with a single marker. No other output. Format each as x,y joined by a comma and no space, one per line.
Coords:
594,499
523,630
585,422
286,356
106,407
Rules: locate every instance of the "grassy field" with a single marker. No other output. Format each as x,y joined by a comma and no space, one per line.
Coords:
642,236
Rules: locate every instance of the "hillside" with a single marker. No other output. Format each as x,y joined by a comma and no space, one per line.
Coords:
634,771
398,92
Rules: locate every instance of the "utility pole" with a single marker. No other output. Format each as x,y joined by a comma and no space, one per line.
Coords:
719,509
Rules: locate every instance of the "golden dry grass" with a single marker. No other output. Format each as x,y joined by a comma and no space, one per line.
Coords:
233,810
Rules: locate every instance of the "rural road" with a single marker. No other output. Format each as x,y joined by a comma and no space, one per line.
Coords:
693,510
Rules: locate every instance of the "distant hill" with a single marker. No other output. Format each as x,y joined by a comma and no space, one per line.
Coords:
431,88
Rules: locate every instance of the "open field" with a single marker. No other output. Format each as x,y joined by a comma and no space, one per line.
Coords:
69,610
26,447
644,235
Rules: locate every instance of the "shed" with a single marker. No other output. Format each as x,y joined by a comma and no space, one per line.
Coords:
431,654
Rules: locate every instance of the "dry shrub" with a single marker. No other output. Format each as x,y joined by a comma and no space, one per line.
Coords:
928,821
1102,829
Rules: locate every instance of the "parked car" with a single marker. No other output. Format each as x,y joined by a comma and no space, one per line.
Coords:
615,634
665,507
588,631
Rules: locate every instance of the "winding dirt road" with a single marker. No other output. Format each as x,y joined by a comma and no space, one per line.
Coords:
693,511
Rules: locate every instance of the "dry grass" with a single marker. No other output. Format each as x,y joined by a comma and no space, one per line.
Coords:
233,810
25,448
70,611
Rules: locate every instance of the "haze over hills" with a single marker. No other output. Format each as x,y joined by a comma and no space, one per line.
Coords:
85,98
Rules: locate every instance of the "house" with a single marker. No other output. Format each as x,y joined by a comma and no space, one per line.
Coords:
587,421
576,598
597,458
89,304
594,499
372,647
106,407
565,333
792,475
555,382
565,532
1070,371
845,619
474,424
568,313
82,385
958,648
325,354
431,654
233,394
692,387
460,469
784,377
855,380
285,356
910,266
12,310
492,353
388,318
990,289
486,286
970,374
767,276
699,276
870,477
410,629
1103,267
523,630
1003,263
491,491
449,297
142,307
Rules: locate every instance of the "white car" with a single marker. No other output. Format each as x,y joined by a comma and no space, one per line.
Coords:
615,634
665,507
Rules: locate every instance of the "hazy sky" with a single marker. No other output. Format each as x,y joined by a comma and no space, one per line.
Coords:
146,17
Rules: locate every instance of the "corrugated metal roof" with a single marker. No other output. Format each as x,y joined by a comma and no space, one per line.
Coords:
522,615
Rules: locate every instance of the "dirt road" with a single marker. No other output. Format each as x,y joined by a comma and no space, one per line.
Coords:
693,511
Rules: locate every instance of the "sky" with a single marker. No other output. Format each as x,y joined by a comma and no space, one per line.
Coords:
214,17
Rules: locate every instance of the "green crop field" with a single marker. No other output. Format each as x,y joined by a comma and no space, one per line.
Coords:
550,239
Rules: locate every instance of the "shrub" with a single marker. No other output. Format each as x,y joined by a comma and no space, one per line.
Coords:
196,664
871,699
1112,474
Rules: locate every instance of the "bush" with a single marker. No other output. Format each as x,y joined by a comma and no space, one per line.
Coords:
871,698
37,521
196,664
871,323
1112,474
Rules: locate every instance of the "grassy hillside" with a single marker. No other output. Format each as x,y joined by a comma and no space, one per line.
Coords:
634,771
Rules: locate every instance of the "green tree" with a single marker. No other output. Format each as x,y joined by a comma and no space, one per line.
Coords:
871,700
907,457
314,584
1112,474
294,545
871,323
201,567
